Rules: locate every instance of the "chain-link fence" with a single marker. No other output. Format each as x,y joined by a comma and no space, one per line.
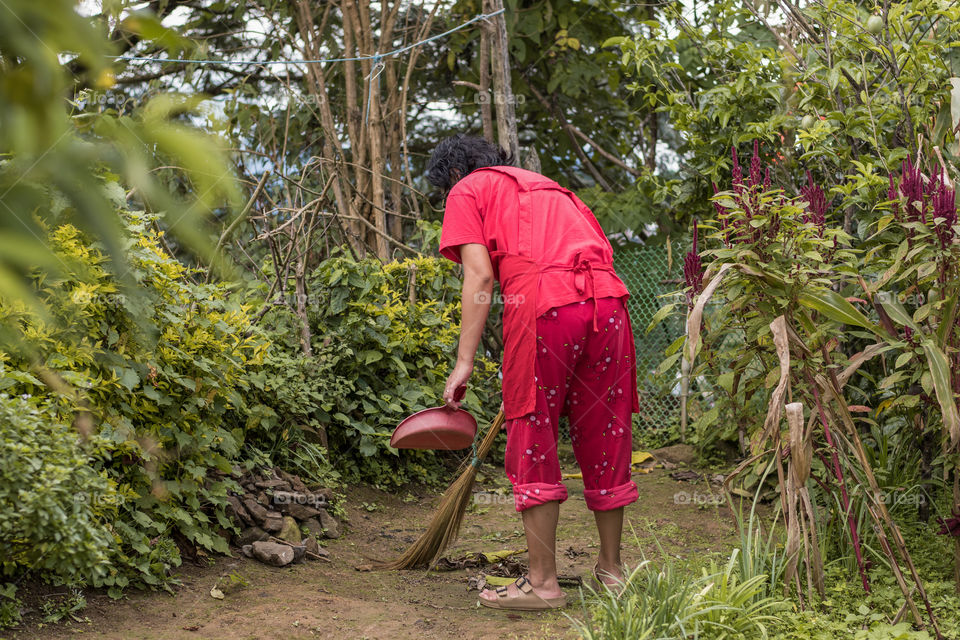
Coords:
650,272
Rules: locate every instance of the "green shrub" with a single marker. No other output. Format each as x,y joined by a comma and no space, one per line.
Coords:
53,503
666,602
384,337
158,377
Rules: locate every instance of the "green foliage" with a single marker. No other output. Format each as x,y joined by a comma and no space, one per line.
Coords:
55,609
53,503
158,405
847,612
560,72
845,98
665,602
52,158
383,339
10,606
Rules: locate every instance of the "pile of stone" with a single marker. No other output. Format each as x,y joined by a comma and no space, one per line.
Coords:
280,518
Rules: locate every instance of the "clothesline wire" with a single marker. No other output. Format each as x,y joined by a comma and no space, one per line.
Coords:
377,58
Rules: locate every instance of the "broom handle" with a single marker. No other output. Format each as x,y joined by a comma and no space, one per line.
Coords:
480,452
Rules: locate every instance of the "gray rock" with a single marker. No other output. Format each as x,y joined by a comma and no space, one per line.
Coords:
295,482
323,494
312,546
299,505
256,511
299,553
247,550
331,528
251,535
301,512
290,531
236,512
273,522
314,527
274,483
272,553
676,454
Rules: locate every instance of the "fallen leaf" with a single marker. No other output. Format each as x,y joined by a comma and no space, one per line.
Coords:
216,593
497,556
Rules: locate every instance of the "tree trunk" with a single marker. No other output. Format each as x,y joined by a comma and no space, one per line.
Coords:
483,97
531,162
301,280
502,87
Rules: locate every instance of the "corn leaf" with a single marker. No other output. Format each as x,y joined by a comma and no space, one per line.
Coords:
940,375
834,306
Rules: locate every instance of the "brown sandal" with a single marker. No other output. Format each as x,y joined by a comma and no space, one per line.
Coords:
616,586
525,600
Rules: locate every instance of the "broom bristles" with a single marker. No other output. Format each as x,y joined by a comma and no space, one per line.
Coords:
445,524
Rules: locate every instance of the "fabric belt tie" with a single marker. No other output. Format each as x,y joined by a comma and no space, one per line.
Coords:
583,271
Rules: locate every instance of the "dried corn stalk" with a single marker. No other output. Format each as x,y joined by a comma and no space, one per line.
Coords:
801,517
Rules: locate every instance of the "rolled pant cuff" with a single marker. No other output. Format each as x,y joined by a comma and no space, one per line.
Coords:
613,498
537,493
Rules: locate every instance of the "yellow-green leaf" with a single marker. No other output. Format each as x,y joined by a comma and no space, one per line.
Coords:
940,375
834,306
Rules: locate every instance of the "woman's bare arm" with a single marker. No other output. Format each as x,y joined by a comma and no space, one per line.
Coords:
474,306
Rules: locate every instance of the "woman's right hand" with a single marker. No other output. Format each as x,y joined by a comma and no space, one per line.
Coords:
458,377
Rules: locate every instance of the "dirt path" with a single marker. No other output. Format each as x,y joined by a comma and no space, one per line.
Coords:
335,600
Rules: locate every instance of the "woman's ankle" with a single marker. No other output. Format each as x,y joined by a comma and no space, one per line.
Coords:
543,581
610,566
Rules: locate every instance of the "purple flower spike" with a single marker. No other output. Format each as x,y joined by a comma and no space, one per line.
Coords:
911,186
692,266
755,165
817,206
944,203
894,194
737,173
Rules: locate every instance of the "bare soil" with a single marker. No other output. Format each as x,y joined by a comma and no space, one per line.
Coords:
336,600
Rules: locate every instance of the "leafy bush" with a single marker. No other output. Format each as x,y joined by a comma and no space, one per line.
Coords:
52,502
158,378
665,602
848,612
848,95
384,336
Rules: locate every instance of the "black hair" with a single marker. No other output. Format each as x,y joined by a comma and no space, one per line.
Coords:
458,155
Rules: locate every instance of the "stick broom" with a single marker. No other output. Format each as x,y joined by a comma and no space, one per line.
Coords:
445,524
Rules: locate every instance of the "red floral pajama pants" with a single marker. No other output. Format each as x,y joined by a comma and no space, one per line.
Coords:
585,375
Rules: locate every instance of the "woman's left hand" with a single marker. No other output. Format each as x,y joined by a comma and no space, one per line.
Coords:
458,377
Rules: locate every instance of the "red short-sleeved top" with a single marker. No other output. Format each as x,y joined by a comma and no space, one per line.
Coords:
483,208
